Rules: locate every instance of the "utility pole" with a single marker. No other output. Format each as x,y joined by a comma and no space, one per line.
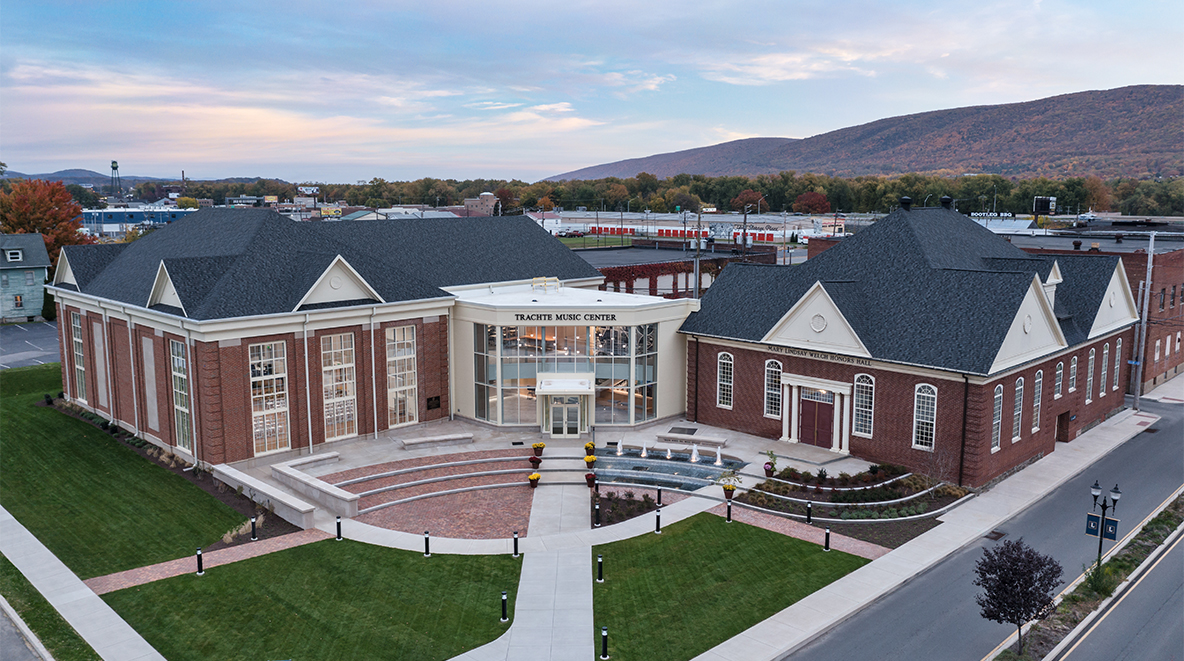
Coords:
1143,322
698,245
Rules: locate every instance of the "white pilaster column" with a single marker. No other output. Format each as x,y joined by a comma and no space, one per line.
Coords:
845,448
785,411
835,439
793,420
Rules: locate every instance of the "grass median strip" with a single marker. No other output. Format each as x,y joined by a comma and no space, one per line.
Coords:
328,600
96,504
702,581
55,633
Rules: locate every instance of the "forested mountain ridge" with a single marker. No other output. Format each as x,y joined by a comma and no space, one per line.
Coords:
1125,132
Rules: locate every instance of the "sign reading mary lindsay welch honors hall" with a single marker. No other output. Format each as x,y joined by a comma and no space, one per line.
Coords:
573,316
814,355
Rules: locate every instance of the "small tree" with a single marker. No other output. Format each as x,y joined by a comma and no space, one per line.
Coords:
811,202
187,203
1017,583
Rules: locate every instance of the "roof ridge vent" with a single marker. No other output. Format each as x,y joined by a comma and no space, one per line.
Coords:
946,201
906,202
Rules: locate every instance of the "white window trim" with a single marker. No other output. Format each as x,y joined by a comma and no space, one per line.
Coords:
392,392
855,399
916,394
769,393
720,360
1105,370
1037,397
1073,374
353,397
1089,377
997,418
181,432
1017,411
16,256
79,356
1117,362
284,410
1059,382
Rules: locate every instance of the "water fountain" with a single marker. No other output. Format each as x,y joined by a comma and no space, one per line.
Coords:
644,454
694,454
719,457
620,449
668,455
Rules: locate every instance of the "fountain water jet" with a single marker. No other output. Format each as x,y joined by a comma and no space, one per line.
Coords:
719,461
694,454
668,455
644,454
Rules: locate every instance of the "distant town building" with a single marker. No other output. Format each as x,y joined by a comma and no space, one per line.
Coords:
23,267
485,204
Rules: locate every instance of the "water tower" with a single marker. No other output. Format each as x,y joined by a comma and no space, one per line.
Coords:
116,184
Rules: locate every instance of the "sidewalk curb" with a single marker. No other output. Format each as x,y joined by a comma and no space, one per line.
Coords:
30,637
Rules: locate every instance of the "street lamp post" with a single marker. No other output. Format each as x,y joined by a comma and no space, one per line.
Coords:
1110,504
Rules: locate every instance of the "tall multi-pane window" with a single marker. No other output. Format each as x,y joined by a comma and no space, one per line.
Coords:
402,395
1017,413
723,381
1157,350
1117,361
269,396
997,418
773,388
338,386
1073,374
179,361
1056,384
1089,377
1105,366
865,400
1037,393
79,359
645,372
924,416
485,341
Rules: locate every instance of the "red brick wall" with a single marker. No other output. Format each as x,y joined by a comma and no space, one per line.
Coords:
891,439
121,371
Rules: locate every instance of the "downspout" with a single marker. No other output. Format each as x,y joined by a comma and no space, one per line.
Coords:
1143,323
373,375
965,406
696,378
131,354
307,386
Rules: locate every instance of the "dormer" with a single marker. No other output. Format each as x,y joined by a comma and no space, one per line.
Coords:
14,255
1050,284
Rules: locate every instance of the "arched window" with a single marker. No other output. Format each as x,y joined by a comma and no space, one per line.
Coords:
997,418
1089,377
723,381
1073,374
1060,377
1017,413
1117,361
1037,393
865,399
772,388
1105,366
924,416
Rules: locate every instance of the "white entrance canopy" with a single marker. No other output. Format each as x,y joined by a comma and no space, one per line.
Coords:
566,384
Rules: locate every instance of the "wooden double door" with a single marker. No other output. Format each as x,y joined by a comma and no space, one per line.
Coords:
816,417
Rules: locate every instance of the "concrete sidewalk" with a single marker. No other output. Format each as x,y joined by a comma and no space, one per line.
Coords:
91,617
778,636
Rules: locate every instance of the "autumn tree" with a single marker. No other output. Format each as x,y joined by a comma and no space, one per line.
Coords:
1097,194
546,204
187,203
811,202
749,198
46,207
1017,583
506,197
85,197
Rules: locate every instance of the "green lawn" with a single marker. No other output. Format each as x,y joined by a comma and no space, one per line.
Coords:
701,582
96,504
593,242
328,600
55,633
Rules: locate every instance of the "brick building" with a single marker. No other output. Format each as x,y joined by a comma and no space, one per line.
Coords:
235,334
924,340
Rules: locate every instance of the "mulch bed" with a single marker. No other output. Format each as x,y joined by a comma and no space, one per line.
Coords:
890,534
272,525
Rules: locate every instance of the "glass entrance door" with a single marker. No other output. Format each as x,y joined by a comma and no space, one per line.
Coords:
565,417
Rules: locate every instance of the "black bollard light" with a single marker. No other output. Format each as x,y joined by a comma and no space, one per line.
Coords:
515,543
427,548
200,571
604,642
597,515
505,617
659,496
253,535
658,521
810,512
339,529
729,519
596,486
826,545
600,569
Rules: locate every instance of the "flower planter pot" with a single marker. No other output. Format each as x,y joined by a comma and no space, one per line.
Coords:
728,493
538,452
768,472
535,461
534,484
590,463
590,478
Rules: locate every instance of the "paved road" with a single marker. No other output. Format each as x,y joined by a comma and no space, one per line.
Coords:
12,644
935,617
1145,622
22,345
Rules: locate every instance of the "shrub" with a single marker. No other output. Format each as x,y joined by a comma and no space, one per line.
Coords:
821,475
807,476
913,483
844,479
873,469
48,399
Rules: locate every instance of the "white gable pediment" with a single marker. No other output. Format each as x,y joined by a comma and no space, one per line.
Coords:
1117,307
816,324
63,274
163,291
1034,331
339,282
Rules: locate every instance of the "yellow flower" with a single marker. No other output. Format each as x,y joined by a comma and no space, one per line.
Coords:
590,457
539,445
533,476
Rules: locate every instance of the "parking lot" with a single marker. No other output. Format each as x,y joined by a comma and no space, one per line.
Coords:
22,345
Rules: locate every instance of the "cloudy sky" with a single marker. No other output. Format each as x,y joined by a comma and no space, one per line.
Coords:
347,91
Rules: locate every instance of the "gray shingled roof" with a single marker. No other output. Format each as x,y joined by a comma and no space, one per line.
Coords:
31,245
923,287
227,263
